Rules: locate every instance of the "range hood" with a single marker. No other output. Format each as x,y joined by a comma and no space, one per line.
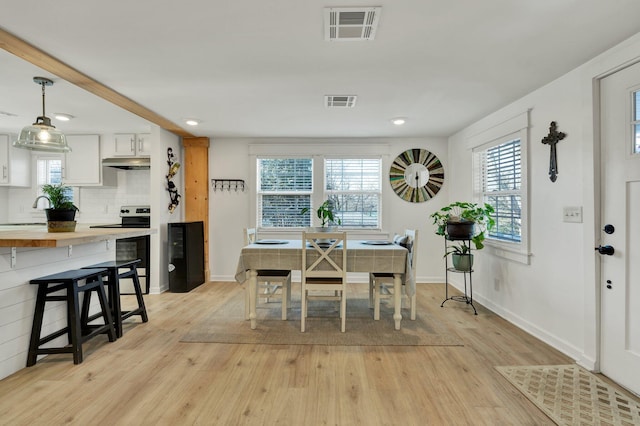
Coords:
127,163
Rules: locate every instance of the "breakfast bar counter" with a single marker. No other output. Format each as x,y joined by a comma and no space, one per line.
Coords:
37,236
27,252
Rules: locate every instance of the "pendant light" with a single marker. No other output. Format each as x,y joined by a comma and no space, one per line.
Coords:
42,135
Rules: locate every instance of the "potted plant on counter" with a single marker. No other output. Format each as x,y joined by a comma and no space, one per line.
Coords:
61,213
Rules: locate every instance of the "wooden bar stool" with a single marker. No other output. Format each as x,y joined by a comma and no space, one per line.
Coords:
76,322
114,276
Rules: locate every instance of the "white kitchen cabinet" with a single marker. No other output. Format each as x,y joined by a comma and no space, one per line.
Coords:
83,165
132,144
15,164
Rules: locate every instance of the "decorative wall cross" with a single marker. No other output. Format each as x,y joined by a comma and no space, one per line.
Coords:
552,139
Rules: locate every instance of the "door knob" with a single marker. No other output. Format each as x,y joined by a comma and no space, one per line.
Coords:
608,250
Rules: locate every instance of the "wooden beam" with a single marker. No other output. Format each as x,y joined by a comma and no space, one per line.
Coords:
196,187
39,58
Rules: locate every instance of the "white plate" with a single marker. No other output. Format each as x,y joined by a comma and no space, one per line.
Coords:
378,243
271,242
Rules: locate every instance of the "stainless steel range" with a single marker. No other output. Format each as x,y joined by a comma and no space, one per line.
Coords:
132,217
135,247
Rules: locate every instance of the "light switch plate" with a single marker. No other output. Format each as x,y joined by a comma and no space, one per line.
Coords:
572,214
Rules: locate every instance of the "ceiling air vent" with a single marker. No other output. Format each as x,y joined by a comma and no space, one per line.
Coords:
350,23
340,101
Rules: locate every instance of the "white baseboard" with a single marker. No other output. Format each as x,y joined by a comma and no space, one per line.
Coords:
548,338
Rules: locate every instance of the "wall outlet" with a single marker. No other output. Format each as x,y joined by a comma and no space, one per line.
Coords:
572,214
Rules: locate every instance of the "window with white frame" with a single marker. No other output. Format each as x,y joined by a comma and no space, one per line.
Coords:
354,184
501,183
285,186
49,171
500,179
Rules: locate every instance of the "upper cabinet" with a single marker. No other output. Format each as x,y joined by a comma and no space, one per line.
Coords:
131,144
83,165
15,164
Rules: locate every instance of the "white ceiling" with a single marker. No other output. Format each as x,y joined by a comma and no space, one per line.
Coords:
256,68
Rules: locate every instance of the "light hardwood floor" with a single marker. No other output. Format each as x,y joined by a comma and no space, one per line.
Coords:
149,377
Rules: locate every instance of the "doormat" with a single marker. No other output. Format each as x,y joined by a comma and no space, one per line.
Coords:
570,395
227,325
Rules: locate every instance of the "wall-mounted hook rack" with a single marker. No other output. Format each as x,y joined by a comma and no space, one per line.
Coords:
228,184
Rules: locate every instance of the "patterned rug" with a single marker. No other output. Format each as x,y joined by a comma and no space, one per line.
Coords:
227,325
570,395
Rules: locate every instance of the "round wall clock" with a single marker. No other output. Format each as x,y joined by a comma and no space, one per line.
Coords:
416,175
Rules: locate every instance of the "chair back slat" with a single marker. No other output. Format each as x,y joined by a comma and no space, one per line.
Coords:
320,260
250,236
412,235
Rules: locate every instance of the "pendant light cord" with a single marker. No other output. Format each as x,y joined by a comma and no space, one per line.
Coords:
43,84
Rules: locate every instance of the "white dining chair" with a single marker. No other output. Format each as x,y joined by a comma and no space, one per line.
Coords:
381,284
271,284
324,272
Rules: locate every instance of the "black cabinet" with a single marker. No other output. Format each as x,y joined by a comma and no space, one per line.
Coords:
186,256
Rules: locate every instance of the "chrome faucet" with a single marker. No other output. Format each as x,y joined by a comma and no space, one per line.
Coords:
35,203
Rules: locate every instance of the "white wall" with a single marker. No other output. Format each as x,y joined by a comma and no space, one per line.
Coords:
555,297
162,140
230,211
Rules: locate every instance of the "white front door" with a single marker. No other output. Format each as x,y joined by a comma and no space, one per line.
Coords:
620,220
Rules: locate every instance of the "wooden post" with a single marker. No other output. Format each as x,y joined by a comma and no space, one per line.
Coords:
196,187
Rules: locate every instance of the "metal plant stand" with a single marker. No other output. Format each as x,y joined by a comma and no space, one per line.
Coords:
467,297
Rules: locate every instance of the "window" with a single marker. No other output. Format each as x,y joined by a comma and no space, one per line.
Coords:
285,186
500,179
355,187
49,171
501,188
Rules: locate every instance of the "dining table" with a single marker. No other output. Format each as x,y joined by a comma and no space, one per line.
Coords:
378,256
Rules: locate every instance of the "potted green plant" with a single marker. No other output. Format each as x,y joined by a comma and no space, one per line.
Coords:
61,213
463,220
325,213
461,257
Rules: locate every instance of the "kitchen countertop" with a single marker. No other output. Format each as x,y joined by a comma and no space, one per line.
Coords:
37,236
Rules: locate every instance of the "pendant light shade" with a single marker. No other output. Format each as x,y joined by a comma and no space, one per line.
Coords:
42,135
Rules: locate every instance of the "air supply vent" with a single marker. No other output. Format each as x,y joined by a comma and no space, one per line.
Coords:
350,23
340,101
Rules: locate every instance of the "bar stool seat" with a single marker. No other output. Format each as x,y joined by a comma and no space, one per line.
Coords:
114,276
77,328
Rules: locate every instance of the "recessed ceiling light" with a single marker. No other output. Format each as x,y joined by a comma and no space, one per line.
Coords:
62,116
399,121
192,121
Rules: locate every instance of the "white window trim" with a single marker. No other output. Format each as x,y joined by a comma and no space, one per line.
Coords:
39,213
325,194
514,128
318,152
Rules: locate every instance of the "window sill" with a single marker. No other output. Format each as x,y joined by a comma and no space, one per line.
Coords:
508,251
